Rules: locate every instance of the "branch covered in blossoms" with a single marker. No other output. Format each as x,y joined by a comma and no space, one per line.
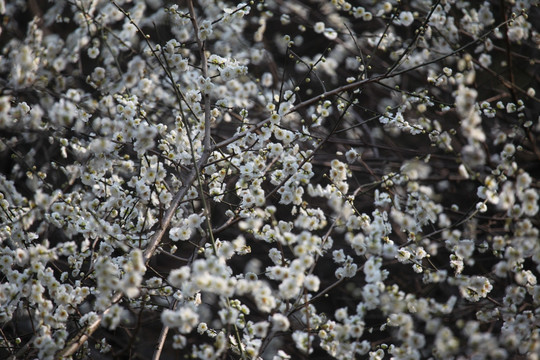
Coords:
269,180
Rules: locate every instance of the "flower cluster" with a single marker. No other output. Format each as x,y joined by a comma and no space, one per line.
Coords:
269,180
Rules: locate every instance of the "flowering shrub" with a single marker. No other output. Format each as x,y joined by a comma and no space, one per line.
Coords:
274,179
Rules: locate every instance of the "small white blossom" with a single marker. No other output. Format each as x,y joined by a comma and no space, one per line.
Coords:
406,18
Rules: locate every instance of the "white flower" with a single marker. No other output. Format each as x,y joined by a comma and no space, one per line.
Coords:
93,52
194,221
406,18
264,300
351,156
286,197
319,27
484,14
530,202
341,314
165,197
312,282
179,341
339,256
266,79
302,341
178,277
228,315
279,322
180,233
372,269
358,12
260,329
184,318
330,33
289,288
367,16
205,29
113,316
485,60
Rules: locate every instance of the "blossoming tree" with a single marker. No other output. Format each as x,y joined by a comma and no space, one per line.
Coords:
274,179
